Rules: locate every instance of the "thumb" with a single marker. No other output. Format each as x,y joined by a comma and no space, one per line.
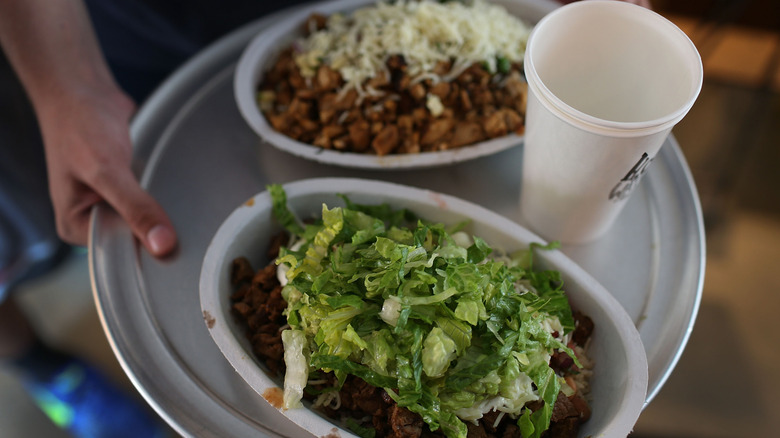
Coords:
145,217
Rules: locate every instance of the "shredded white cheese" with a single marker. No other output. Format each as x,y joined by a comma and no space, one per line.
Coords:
423,32
434,105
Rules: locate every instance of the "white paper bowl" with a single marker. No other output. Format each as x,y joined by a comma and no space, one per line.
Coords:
619,382
261,54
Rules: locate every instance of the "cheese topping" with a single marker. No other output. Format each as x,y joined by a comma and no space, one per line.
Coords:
423,32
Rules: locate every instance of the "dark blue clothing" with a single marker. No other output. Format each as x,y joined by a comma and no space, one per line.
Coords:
145,40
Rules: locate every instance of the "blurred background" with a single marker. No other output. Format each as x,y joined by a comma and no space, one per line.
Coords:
726,383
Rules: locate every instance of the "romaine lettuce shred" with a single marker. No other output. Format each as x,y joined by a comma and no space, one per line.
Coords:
449,328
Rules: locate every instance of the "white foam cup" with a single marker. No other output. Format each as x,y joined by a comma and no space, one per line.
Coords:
607,82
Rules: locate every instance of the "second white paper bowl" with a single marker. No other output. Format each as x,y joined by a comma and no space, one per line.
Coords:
619,382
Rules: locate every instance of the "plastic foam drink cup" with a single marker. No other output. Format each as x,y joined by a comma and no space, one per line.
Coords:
607,81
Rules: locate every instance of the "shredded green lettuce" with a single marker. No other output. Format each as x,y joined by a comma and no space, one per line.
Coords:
445,324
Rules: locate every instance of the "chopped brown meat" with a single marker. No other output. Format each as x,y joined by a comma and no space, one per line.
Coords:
268,345
437,130
513,120
305,94
442,68
243,309
265,278
374,114
296,132
357,395
568,413
332,131
345,118
410,143
563,408
386,140
309,125
515,86
327,79
241,292
260,306
241,271
345,101
404,423
277,304
581,406
467,133
476,430
442,89
280,122
296,79
328,103
322,141
360,134
465,100
376,127
420,116
276,244
565,428
396,62
561,362
402,82
495,125
341,143
583,328
389,107
283,97
480,96
417,91
299,109
489,421
405,125
511,431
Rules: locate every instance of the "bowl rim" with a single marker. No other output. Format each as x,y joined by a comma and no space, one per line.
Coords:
214,306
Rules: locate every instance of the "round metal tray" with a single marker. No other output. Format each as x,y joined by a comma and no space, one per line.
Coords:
199,158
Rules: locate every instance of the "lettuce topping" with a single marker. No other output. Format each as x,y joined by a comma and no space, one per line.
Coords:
447,326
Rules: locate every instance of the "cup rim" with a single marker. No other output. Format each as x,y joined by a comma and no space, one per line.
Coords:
596,124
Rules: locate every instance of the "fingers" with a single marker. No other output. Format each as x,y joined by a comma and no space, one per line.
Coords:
145,217
88,154
73,201
72,207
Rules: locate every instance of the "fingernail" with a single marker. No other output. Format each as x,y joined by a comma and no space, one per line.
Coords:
161,239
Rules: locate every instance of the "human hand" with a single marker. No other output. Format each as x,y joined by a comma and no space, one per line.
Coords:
88,154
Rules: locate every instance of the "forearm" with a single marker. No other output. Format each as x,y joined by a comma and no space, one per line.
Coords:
84,118
52,47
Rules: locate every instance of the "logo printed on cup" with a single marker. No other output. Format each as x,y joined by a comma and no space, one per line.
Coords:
628,182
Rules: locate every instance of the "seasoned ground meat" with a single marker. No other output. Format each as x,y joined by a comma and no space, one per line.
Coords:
258,304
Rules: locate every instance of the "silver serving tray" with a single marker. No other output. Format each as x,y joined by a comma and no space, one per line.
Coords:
197,156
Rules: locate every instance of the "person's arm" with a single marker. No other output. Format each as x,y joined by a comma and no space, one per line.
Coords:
84,118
